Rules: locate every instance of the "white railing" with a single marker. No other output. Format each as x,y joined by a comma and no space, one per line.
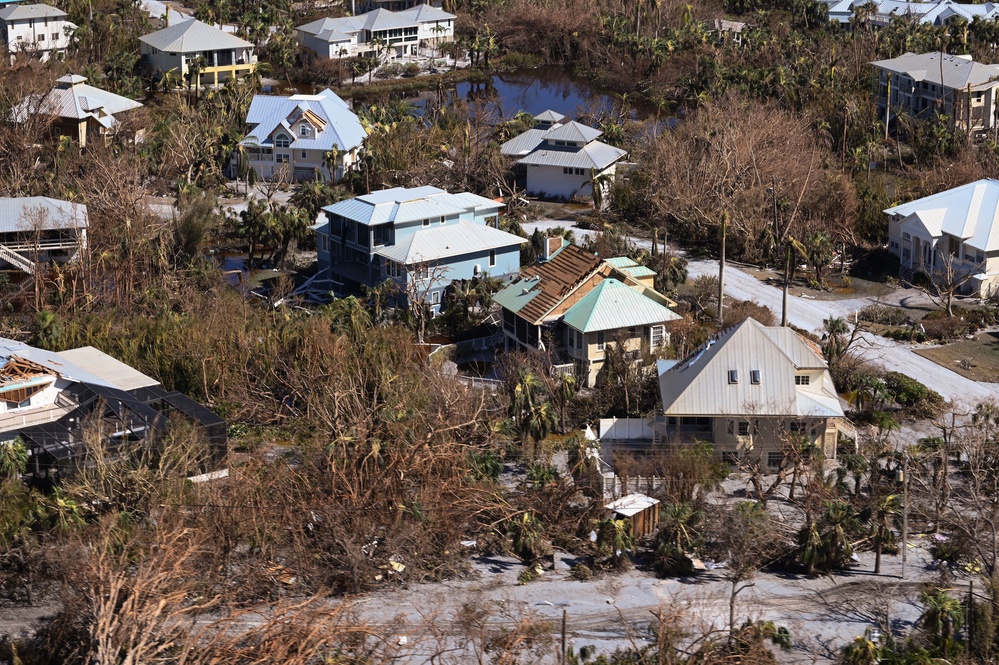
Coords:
16,260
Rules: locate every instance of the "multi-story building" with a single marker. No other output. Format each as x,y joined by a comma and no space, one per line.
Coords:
192,45
377,33
39,30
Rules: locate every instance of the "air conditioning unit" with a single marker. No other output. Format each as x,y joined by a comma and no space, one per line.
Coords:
477,270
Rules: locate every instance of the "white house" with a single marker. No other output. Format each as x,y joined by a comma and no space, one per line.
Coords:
35,230
302,137
921,84
562,161
77,109
750,391
962,223
173,49
35,29
930,13
377,32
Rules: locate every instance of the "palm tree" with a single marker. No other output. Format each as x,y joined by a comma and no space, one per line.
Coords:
819,253
13,458
527,538
331,160
839,519
614,539
48,330
941,618
676,537
883,519
862,651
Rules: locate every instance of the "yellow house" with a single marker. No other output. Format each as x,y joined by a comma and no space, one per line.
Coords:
192,45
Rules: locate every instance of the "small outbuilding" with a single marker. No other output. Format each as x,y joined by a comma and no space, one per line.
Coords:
641,510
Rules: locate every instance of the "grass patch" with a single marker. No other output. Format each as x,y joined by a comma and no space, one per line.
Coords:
976,359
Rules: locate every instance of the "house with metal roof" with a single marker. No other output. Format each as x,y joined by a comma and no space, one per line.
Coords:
78,110
576,307
957,230
38,230
35,29
393,5
215,55
563,161
57,402
920,85
421,238
754,392
301,137
377,33
938,13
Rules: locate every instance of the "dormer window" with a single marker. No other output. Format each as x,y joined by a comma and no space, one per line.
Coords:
305,131
801,379
282,141
733,376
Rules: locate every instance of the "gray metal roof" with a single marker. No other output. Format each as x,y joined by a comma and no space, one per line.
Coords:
969,212
440,242
572,131
55,362
20,214
594,155
338,29
426,13
401,204
108,368
72,98
699,386
343,130
192,37
24,12
958,72
549,116
523,143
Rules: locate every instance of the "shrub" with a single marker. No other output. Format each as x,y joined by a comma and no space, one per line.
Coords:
912,395
411,70
745,309
581,572
389,71
908,334
885,315
945,328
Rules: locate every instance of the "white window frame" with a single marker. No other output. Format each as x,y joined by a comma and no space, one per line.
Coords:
802,380
657,331
601,341
282,141
435,297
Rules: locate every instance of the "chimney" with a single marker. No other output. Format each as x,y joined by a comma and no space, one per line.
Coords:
552,245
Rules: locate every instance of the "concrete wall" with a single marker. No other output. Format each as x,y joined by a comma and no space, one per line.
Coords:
41,35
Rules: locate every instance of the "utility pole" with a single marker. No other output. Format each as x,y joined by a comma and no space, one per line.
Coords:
564,616
905,508
721,269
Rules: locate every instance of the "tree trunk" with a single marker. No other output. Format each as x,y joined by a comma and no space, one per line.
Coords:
721,275
877,551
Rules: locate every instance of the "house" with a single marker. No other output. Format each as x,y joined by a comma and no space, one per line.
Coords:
726,31
39,30
55,402
422,238
879,13
393,5
962,223
922,84
749,391
36,230
563,160
578,306
301,137
400,33
79,110
213,54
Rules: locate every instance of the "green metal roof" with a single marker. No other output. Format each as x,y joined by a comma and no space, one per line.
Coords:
620,262
638,271
517,294
613,305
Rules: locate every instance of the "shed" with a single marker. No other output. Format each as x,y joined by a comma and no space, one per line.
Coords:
641,510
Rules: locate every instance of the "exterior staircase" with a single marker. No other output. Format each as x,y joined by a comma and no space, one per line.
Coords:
16,260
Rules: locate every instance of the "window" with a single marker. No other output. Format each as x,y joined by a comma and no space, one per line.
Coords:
775,459
441,220
733,376
580,172
426,222
954,245
41,38
572,338
906,236
579,340
894,245
802,379
565,169
657,336
730,458
731,428
305,155
55,36
754,377
559,142
601,342
906,253
304,130
743,428
435,298
324,242
799,427
282,141
282,158
492,257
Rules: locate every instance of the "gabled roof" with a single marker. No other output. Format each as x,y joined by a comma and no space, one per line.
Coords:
533,138
523,143
109,368
425,13
337,126
612,305
541,288
440,242
339,29
192,37
19,214
401,205
64,365
73,98
572,131
699,386
969,212
24,12
958,71
549,116
594,155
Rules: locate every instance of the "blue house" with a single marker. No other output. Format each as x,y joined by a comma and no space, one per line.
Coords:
423,238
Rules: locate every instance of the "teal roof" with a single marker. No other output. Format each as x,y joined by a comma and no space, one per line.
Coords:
620,262
638,271
517,294
613,305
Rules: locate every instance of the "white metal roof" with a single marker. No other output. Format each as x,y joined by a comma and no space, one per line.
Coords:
24,12
594,155
401,204
193,37
969,212
700,385
343,130
439,242
108,368
52,361
74,98
631,504
958,71
23,213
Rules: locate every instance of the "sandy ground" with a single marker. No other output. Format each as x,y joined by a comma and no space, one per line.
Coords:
615,610
809,314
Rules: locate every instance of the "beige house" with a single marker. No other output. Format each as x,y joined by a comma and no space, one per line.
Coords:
578,307
957,229
193,46
751,391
